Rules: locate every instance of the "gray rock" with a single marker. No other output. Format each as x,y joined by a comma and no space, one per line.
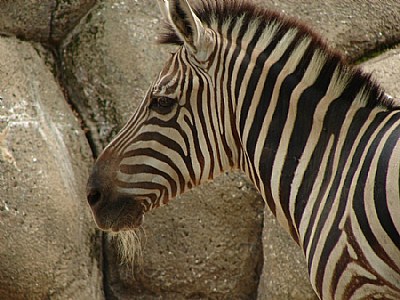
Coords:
49,248
284,273
44,21
109,63
385,69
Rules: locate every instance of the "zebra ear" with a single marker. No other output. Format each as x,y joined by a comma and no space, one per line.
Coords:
187,25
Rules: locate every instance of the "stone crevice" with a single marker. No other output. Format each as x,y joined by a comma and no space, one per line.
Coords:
53,10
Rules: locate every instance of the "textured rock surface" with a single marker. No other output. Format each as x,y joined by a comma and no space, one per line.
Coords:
45,21
110,62
386,70
282,256
48,243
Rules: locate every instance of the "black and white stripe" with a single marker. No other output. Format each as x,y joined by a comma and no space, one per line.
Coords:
249,89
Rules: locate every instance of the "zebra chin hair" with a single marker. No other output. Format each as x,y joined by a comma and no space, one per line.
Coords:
129,246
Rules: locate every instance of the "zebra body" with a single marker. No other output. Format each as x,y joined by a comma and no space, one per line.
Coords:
248,89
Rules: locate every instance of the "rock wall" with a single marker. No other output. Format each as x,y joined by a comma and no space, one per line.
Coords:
62,100
42,21
48,245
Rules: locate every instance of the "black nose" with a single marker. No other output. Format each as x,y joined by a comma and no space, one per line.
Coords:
93,196
102,177
94,188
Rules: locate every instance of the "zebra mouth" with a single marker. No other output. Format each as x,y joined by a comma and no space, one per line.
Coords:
129,217
126,223
121,214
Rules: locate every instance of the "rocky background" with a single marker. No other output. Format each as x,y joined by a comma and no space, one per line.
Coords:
71,73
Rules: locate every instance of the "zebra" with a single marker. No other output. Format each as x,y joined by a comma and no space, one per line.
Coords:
250,89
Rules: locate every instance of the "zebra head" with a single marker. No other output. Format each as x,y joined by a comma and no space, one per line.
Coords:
180,135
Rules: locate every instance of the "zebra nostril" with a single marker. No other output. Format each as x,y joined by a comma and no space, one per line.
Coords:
93,197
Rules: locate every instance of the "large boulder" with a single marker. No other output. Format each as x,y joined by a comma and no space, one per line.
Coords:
48,246
44,21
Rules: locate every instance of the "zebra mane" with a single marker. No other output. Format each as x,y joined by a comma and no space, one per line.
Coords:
215,13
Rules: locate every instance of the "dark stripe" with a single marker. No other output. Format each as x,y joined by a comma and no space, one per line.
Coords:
227,150
185,74
144,185
334,119
280,115
244,65
322,146
331,126
161,157
253,81
306,105
188,90
340,267
231,104
130,129
168,142
381,201
225,106
357,280
188,158
200,117
212,129
262,106
198,153
214,54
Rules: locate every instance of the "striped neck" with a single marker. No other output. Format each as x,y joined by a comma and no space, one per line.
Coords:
280,93
292,98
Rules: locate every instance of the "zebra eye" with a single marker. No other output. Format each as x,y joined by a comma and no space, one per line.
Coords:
162,105
165,102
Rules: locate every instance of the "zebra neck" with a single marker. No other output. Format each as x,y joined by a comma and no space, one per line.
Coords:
295,104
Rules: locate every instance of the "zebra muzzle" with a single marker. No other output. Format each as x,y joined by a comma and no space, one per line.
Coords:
113,211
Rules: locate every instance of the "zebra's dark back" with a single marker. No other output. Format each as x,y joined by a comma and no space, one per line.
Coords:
249,89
